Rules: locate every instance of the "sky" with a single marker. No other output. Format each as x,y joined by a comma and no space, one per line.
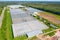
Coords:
29,0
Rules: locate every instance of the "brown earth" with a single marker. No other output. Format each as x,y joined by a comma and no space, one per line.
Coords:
50,18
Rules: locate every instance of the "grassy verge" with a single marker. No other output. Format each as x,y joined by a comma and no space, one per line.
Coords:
33,38
6,28
48,30
3,28
22,37
1,10
50,34
0,35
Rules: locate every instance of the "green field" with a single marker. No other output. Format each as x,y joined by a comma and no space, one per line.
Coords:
6,28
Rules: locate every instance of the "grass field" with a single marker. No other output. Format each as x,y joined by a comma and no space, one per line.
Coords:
6,28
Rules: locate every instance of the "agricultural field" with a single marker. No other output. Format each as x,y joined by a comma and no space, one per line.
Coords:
50,17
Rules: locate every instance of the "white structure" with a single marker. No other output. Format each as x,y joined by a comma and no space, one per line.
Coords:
23,23
15,6
35,13
33,33
33,27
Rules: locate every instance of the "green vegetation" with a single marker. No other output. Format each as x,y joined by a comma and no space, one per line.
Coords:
0,35
50,34
48,30
22,37
33,38
0,10
6,28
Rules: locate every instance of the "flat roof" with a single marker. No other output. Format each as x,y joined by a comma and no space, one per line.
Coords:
19,16
23,23
33,33
15,6
27,27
